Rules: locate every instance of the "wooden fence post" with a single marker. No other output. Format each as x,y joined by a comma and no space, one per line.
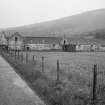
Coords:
26,57
15,53
11,52
58,75
18,54
43,64
33,58
21,57
94,85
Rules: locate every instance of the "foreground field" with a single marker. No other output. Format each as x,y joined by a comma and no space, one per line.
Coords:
76,75
76,69
81,62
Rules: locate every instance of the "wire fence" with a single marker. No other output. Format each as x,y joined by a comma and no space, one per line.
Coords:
85,77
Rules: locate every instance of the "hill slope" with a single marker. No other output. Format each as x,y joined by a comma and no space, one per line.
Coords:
70,26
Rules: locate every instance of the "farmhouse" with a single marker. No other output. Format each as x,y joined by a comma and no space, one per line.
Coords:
79,44
15,42
90,45
42,43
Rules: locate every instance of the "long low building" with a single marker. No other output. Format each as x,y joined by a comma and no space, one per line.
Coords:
42,43
18,42
34,46
82,45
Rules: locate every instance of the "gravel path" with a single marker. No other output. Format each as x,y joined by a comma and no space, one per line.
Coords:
14,90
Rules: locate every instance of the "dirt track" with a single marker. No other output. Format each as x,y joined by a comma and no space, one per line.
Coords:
13,90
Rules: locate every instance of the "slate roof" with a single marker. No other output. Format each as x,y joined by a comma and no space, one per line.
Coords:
46,40
57,40
16,34
86,41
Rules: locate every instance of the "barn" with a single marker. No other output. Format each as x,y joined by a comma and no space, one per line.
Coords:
42,43
16,42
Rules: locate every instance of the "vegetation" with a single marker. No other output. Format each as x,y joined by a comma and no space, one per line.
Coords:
75,85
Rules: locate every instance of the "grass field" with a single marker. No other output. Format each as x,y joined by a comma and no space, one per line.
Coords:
76,72
77,65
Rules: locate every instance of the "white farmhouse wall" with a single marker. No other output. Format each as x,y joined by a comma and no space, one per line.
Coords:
101,48
95,47
83,47
3,40
39,46
18,44
57,46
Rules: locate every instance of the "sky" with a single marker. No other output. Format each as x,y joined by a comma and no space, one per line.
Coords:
23,12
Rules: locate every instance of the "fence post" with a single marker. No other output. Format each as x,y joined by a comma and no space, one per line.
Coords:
15,53
58,75
94,84
18,54
21,57
43,64
10,52
33,58
26,57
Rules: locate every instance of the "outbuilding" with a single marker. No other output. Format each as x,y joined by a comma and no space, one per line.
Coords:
15,42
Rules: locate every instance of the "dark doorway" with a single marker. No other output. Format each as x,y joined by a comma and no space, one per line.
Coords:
27,48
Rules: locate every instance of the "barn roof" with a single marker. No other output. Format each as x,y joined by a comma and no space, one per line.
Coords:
86,41
56,40
16,34
46,40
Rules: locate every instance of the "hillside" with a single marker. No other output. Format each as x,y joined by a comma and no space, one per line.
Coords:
70,26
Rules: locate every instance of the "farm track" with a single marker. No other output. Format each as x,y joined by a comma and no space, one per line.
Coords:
14,90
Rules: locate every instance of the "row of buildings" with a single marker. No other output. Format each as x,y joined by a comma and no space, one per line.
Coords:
18,42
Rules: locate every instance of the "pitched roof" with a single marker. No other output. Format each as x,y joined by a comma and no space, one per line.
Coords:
16,34
85,41
56,40
46,40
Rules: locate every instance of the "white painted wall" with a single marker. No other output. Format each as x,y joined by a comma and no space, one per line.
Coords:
3,40
83,47
13,45
39,46
101,48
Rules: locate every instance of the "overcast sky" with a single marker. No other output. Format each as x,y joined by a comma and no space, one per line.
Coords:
22,12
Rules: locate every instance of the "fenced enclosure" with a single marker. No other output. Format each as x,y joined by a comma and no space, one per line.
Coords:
82,73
